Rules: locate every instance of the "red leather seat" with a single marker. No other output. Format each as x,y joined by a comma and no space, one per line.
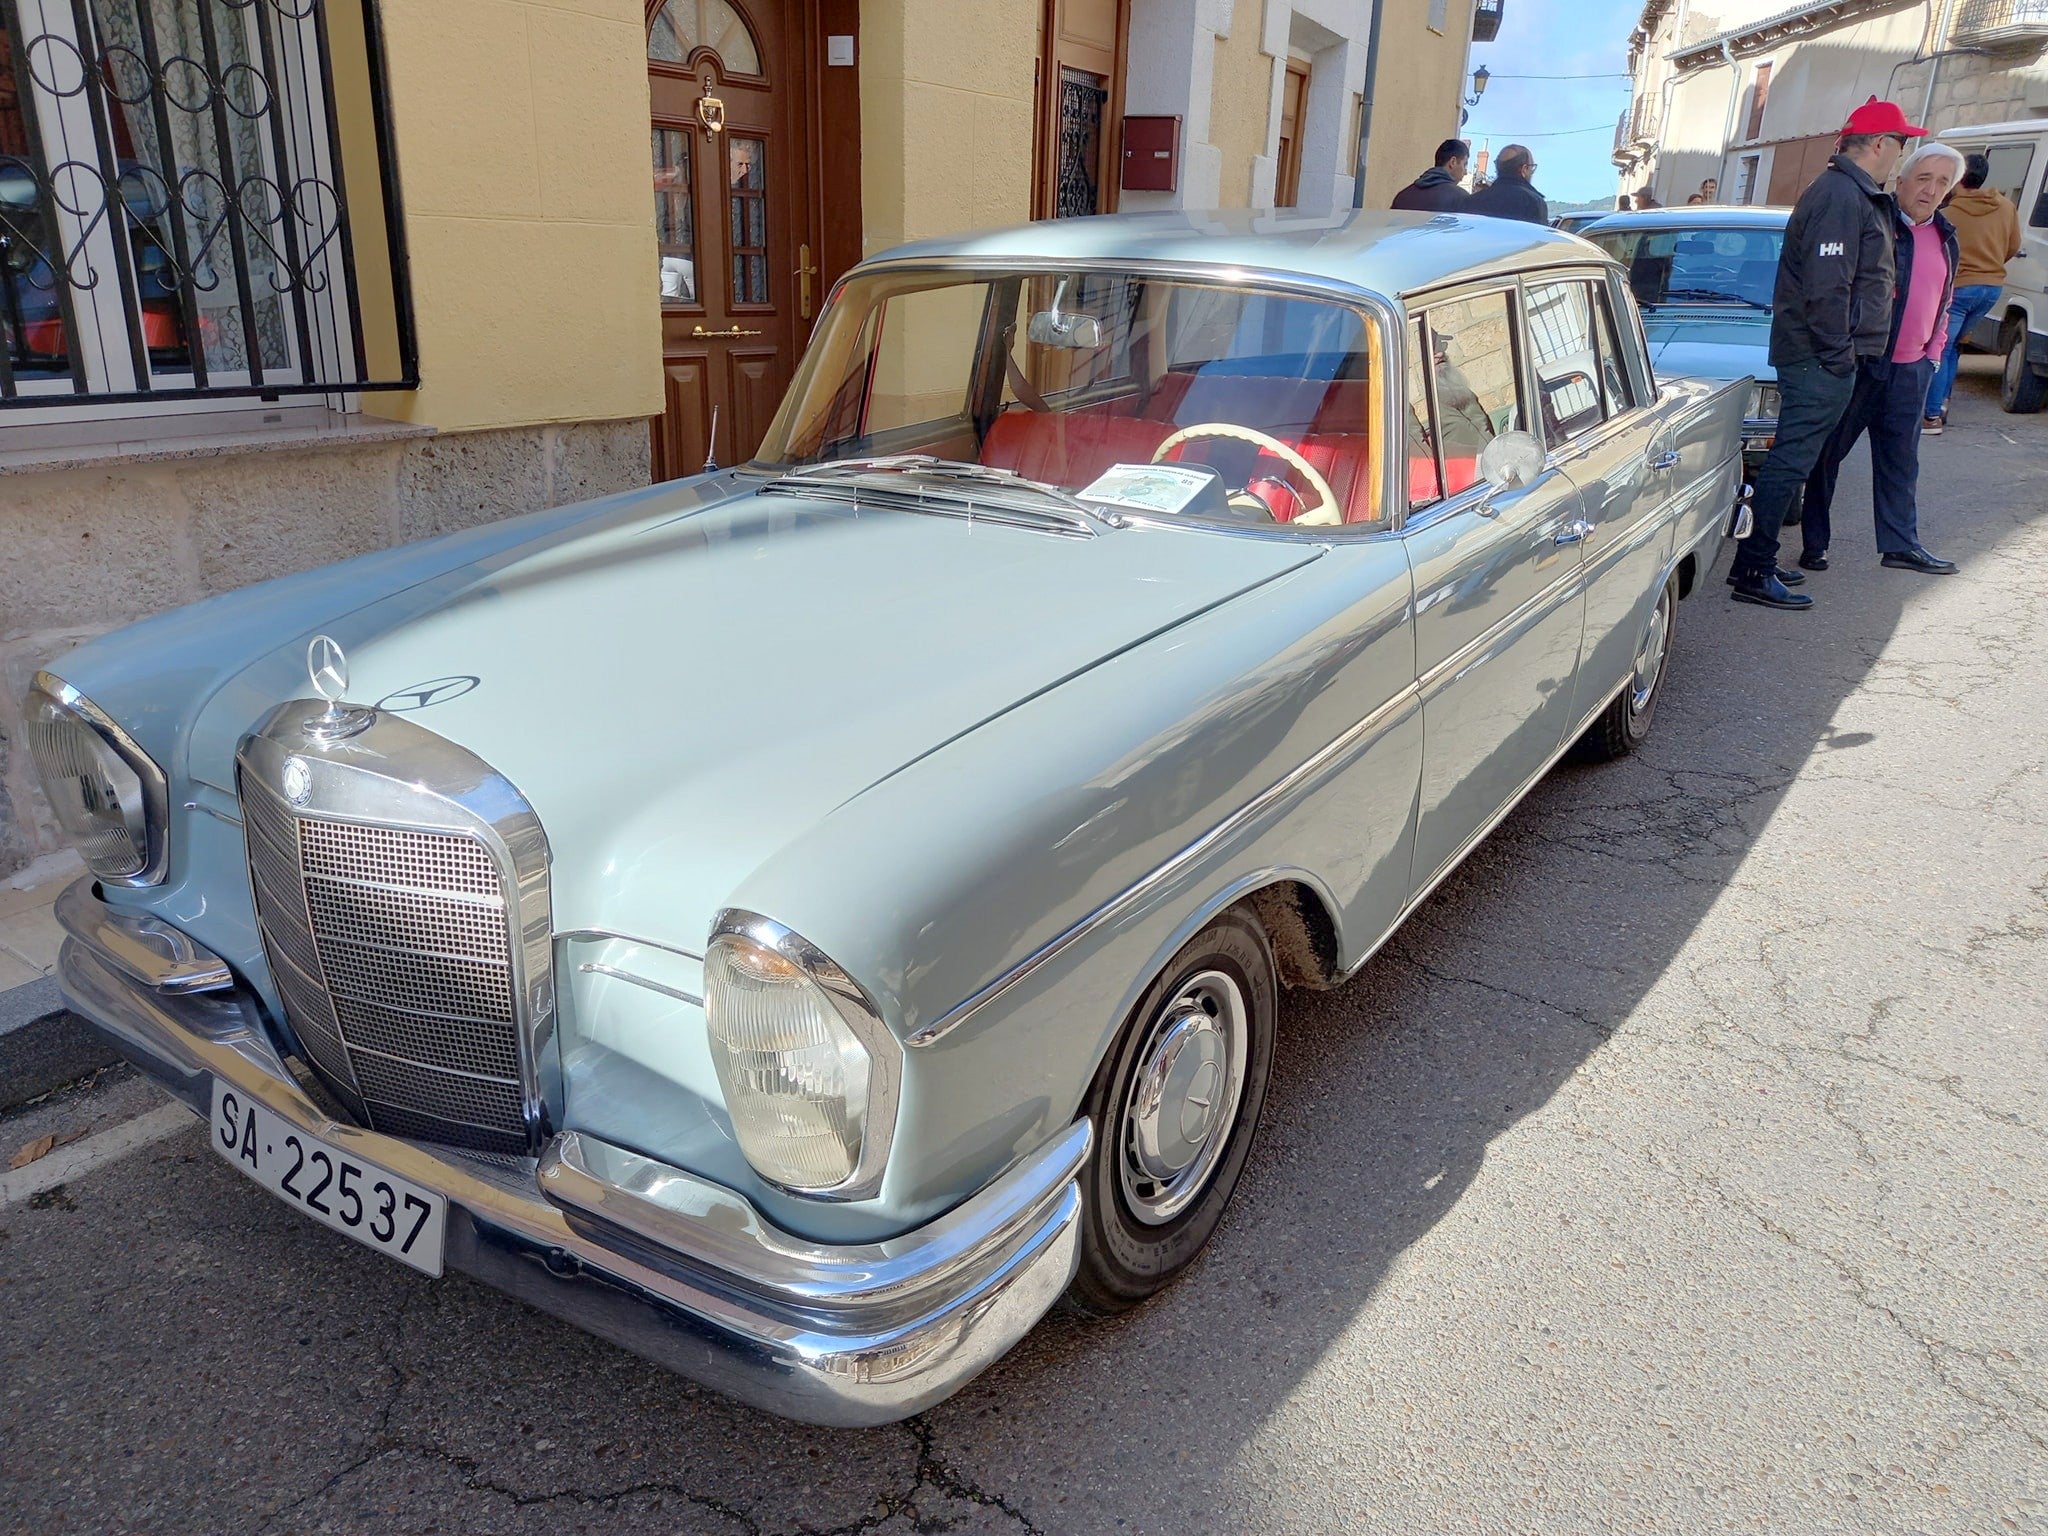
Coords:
1069,447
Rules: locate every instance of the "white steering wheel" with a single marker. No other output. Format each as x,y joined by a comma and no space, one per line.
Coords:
1324,514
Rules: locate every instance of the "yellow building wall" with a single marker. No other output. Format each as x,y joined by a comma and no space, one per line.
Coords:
521,135
1240,102
945,116
1422,85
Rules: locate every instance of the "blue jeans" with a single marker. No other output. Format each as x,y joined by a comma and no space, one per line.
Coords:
1970,304
1887,402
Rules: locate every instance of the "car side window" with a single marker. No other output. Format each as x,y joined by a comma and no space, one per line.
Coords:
1425,472
1617,391
1567,360
1475,381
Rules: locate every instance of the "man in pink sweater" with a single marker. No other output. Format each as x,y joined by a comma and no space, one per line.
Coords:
1891,390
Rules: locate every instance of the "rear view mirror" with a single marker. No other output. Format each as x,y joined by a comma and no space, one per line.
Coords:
1511,461
1078,333
1058,328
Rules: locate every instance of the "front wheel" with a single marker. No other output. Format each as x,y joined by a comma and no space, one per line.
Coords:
1625,723
1175,1106
2020,389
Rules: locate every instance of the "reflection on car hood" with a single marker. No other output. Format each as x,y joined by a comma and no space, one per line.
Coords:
1717,346
677,696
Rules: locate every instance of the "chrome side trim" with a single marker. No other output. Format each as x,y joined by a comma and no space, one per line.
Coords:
1423,894
863,1016
599,935
1464,654
142,948
707,1226
1355,736
593,968
156,793
197,805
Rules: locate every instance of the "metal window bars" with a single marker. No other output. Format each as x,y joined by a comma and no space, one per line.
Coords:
174,216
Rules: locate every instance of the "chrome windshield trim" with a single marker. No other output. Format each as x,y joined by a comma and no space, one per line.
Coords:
712,1229
143,948
1354,736
156,793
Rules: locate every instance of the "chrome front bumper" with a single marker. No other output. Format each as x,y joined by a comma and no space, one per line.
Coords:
681,1271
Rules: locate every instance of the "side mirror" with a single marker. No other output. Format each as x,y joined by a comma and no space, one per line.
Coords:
1512,460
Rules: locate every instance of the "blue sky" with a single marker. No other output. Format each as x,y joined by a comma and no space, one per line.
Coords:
1557,37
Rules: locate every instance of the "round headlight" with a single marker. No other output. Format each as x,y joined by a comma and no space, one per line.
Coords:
101,795
806,1065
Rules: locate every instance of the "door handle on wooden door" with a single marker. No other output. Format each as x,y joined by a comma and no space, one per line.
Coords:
806,269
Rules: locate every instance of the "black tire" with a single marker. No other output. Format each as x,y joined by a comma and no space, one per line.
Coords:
1625,723
1130,1251
2021,390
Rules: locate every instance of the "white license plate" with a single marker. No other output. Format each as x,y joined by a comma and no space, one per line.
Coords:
379,1209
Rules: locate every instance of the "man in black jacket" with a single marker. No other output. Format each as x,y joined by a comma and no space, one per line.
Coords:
1513,195
1832,308
1436,190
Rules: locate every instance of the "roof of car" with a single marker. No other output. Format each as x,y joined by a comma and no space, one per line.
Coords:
1693,216
1380,251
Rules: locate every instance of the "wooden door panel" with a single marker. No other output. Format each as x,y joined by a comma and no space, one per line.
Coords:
686,414
754,385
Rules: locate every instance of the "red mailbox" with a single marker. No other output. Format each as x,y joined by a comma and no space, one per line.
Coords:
1151,154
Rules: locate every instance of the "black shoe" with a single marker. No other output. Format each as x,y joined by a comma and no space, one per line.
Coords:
1768,592
1813,562
1917,559
1790,578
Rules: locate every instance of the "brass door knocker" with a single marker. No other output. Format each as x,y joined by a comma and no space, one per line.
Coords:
710,110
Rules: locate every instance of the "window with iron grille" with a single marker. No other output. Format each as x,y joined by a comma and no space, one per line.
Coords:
174,207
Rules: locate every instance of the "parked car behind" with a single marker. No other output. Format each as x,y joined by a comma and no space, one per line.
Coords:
1703,278
799,922
2016,329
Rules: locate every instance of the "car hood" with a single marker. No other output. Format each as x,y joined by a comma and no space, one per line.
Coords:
678,696
1711,347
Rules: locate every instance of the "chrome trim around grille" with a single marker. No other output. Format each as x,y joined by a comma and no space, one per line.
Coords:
402,897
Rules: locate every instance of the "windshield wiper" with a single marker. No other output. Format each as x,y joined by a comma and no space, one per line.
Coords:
1710,295
1073,514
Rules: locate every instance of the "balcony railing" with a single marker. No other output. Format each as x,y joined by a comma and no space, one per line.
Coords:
2000,21
1486,20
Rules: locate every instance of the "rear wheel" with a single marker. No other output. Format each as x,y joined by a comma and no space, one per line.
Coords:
1175,1106
1624,724
2020,389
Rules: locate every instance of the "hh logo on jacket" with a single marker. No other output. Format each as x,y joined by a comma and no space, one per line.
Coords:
1831,248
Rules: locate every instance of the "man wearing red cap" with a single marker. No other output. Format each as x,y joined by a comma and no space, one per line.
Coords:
1832,308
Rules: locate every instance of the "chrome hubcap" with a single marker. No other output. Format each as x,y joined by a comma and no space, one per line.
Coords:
1183,1098
1650,659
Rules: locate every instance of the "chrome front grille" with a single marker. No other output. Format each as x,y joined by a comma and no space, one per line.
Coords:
394,953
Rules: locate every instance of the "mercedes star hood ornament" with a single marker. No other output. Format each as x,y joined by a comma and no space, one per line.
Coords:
327,666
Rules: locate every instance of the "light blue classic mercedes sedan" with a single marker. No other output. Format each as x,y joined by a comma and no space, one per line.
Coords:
801,922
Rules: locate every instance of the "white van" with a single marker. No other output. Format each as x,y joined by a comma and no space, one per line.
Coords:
2017,327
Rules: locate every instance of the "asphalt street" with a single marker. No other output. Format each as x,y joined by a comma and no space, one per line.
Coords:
1679,1168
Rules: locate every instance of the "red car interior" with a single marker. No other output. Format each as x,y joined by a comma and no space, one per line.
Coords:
1324,422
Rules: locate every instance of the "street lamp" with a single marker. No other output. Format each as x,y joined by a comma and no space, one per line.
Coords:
1479,79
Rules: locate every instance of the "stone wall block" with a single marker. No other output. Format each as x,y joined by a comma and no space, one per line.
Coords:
90,548
465,479
598,458
259,516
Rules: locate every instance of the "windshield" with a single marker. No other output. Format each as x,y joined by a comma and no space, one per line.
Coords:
1062,378
1697,266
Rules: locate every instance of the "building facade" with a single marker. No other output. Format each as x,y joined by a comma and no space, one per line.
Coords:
1755,96
290,280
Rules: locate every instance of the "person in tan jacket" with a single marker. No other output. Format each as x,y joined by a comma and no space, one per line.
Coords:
1988,229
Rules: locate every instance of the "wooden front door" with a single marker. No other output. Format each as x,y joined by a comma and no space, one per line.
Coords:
738,280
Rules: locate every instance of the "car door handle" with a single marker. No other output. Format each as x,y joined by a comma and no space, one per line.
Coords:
1572,532
1665,460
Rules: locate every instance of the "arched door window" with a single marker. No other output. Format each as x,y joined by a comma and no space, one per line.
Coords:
681,27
